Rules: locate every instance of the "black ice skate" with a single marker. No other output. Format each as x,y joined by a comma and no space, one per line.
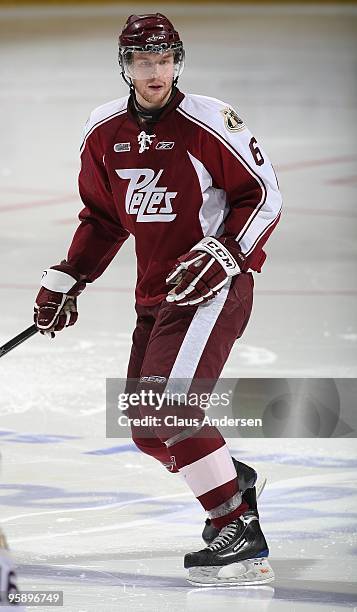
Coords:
237,556
247,484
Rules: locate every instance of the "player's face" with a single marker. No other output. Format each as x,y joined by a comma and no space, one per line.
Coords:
153,76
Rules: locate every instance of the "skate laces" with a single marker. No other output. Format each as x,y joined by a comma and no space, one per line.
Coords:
224,536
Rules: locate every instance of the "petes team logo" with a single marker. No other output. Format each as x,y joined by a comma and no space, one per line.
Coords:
232,122
145,140
144,198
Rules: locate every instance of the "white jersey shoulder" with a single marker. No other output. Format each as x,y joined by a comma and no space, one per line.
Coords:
212,114
104,113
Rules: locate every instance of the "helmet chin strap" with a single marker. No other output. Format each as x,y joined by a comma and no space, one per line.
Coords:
128,81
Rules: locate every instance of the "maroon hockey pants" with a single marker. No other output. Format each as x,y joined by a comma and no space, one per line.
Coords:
193,342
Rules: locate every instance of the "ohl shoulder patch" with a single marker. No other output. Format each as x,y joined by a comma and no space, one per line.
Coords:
232,121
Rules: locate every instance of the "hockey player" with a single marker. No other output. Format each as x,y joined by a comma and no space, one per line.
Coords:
185,177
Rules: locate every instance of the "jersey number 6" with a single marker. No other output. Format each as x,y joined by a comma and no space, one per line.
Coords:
256,152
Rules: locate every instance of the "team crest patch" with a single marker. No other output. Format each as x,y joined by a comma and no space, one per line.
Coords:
120,147
232,121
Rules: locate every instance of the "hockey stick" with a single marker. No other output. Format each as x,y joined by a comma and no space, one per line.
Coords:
14,342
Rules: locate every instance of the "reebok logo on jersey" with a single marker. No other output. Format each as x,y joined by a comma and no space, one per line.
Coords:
121,147
144,198
163,145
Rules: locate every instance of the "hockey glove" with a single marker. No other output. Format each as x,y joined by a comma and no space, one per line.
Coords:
202,272
56,304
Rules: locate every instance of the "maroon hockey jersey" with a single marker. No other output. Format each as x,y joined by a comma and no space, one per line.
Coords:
197,172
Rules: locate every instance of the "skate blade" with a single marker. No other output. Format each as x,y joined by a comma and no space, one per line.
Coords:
245,573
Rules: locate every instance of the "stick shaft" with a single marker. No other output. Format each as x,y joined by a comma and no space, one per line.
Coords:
14,342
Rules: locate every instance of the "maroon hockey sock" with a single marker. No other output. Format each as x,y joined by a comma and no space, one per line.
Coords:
205,463
157,449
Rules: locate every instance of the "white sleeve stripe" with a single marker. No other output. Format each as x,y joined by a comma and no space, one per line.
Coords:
250,221
243,162
262,233
94,127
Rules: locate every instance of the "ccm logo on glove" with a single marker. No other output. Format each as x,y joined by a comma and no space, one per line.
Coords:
202,272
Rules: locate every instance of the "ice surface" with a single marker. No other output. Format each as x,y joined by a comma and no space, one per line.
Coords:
92,516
